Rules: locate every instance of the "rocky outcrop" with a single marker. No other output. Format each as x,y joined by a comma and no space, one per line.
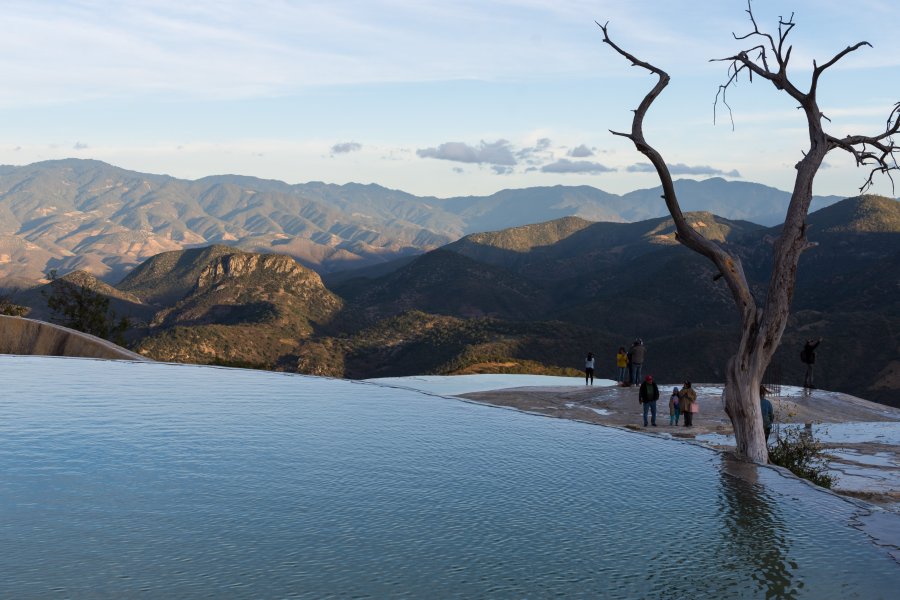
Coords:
240,264
26,336
244,309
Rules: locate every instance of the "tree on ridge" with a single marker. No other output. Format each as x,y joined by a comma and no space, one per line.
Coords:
762,326
77,306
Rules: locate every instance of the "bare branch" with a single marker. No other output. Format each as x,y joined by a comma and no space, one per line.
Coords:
760,65
782,35
624,135
721,92
878,151
817,71
728,265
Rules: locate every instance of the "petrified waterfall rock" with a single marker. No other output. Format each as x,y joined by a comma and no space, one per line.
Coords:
27,336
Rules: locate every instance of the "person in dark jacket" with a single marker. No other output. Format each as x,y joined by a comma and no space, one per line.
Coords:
589,368
808,356
647,396
638,352
768,412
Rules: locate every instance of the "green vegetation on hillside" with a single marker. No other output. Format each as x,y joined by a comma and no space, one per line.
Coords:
482,307
79,306
862,214
10,308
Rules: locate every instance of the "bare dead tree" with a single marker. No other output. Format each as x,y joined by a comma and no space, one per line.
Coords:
763,326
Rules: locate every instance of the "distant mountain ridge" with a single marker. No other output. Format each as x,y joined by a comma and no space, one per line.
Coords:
87,215
532,298
617,281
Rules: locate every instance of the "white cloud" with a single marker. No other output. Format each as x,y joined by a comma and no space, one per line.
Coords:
493,153
346,147
538,153
581,151
305,75
228,49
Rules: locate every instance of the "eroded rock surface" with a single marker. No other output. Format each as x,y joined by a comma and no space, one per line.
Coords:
27,336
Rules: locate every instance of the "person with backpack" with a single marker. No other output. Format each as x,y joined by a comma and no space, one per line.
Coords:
648,395
808,356
589,368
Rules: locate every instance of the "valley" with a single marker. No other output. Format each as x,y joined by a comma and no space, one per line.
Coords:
526,299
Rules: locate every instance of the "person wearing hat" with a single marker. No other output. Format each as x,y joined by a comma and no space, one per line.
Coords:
648,395
768,413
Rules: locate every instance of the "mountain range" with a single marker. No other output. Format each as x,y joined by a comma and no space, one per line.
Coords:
88,215
532,298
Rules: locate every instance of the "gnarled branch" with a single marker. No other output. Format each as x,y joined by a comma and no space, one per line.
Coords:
880,151
730,266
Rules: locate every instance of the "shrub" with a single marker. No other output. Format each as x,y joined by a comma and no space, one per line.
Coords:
79,307
799,452
9,308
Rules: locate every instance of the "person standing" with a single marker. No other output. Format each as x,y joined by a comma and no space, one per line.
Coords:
674,408
768,412
648,395
688,402
621,365
808,356
638,352
589,368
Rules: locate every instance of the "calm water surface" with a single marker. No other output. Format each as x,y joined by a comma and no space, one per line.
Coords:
151,480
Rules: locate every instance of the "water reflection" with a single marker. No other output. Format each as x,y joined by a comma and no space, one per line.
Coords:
754,531
124,480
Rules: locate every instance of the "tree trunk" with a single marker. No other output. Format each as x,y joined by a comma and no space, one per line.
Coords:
742,407
762,329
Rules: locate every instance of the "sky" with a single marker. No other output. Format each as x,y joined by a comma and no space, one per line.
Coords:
434,97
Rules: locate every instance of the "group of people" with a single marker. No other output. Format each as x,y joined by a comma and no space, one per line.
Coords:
630,364
682,402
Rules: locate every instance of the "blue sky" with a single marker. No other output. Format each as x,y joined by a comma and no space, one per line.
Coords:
438,98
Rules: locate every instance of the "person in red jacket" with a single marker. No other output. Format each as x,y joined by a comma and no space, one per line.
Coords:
647,396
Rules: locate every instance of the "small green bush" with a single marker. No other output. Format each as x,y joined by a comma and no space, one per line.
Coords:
10,309
799,452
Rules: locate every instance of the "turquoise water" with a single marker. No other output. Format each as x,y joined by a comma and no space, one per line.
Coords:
152,480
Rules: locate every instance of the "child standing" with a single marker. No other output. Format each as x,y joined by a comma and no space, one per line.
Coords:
674,407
